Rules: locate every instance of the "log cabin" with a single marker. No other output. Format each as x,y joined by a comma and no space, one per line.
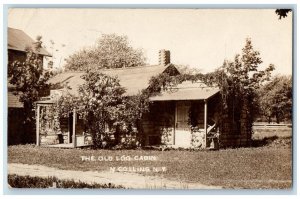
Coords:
184,116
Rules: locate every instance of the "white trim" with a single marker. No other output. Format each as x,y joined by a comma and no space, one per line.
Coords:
38,125
205,122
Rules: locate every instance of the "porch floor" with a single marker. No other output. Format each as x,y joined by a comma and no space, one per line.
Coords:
70,145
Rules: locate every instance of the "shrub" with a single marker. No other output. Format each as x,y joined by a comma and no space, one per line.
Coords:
16,181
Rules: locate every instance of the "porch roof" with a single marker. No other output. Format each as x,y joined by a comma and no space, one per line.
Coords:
186,91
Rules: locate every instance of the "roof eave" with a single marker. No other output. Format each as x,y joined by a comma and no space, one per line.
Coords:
44,54
213,95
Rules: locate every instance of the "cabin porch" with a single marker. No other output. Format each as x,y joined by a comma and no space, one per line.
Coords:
52,131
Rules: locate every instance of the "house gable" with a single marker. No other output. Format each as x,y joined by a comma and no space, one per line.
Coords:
17,40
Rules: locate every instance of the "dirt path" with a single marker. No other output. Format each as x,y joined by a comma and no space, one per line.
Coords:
128,180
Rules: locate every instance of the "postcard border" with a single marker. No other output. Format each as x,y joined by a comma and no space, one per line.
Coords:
292,191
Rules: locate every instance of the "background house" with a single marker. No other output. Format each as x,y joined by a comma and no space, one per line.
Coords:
17,44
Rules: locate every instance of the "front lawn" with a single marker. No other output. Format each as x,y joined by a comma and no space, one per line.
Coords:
261,167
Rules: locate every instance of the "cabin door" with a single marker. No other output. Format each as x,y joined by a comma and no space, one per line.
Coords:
182,127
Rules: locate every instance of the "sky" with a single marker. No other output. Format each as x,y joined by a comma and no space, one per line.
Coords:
198,38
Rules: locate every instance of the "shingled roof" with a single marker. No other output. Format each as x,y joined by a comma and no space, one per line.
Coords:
133,79
18,40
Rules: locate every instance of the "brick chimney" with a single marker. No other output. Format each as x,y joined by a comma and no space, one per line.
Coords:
164,57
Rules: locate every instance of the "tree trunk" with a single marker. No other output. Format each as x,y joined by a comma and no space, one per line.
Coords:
117,135
269,119
277,118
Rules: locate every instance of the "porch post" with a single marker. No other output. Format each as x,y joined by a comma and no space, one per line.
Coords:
205,122
37,125
74,128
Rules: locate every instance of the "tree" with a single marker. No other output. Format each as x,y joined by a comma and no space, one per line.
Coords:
238,81
30,82
275,99
282,13
101,104
56,55
110,51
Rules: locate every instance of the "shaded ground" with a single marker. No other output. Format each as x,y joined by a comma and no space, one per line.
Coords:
273,138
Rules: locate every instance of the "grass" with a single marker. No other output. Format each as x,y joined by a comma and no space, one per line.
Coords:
16,181
264,166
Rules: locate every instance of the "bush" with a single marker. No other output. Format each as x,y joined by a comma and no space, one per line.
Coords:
16,181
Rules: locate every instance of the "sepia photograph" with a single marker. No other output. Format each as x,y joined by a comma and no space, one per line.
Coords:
151,99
